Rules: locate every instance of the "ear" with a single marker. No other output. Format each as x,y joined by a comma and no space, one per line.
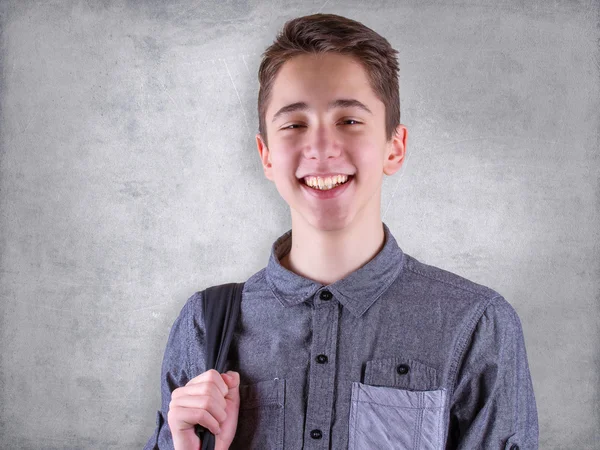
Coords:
265,157
396,151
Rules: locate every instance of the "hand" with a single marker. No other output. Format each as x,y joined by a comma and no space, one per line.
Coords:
212,400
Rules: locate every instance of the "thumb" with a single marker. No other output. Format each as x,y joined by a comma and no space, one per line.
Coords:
232,379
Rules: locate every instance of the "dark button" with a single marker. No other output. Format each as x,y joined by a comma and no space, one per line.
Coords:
326,295
402,369
316,434
321,359
514,447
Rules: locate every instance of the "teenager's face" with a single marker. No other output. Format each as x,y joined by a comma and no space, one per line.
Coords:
345,140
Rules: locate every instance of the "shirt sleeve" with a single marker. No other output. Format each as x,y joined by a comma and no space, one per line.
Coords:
184,359
493,405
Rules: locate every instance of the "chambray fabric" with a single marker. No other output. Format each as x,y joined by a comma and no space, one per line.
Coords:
397,355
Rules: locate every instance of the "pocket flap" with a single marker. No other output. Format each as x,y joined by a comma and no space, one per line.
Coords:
401,372
398,398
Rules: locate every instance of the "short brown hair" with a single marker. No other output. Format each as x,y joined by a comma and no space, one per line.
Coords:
321,33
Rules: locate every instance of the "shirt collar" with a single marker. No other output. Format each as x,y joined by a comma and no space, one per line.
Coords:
356,292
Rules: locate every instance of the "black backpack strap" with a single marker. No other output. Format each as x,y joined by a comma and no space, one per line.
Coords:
221,310
221,307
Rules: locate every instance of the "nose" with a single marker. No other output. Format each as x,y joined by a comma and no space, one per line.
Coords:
322,144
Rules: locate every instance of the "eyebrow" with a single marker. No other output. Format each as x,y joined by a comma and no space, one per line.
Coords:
339,103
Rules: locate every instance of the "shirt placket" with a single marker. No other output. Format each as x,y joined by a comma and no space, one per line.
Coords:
322,371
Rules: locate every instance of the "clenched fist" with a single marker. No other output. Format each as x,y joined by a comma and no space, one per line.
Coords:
211,399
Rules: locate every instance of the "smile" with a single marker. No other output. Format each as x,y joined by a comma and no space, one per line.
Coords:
327,193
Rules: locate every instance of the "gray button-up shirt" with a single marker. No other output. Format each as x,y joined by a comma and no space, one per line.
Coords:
397,355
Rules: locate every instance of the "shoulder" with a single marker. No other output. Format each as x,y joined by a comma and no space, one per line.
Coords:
256,286
457,295
191,313
193,307
445,280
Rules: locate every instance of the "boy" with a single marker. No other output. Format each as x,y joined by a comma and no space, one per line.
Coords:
343,340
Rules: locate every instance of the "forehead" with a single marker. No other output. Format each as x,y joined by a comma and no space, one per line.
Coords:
323,62
318,79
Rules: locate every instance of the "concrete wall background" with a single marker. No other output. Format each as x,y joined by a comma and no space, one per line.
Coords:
130,178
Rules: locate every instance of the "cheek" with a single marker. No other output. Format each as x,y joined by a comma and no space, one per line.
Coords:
367,159
286,163
284,173
279,164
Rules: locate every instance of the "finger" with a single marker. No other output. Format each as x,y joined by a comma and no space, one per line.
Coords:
203,376
210,376
200,389
185,418
201,402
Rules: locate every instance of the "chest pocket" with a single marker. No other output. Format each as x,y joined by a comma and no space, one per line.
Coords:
261,416
398,406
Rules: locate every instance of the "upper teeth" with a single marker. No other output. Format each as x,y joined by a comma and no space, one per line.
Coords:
326,182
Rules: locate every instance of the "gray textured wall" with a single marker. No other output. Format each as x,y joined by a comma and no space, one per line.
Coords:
130,178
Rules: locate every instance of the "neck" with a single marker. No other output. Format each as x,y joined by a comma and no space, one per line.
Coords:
328,256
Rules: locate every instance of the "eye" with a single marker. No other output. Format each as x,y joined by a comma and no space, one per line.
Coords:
292,125
289,127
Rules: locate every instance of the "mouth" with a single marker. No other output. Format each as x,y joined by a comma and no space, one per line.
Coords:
325,193
317,188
